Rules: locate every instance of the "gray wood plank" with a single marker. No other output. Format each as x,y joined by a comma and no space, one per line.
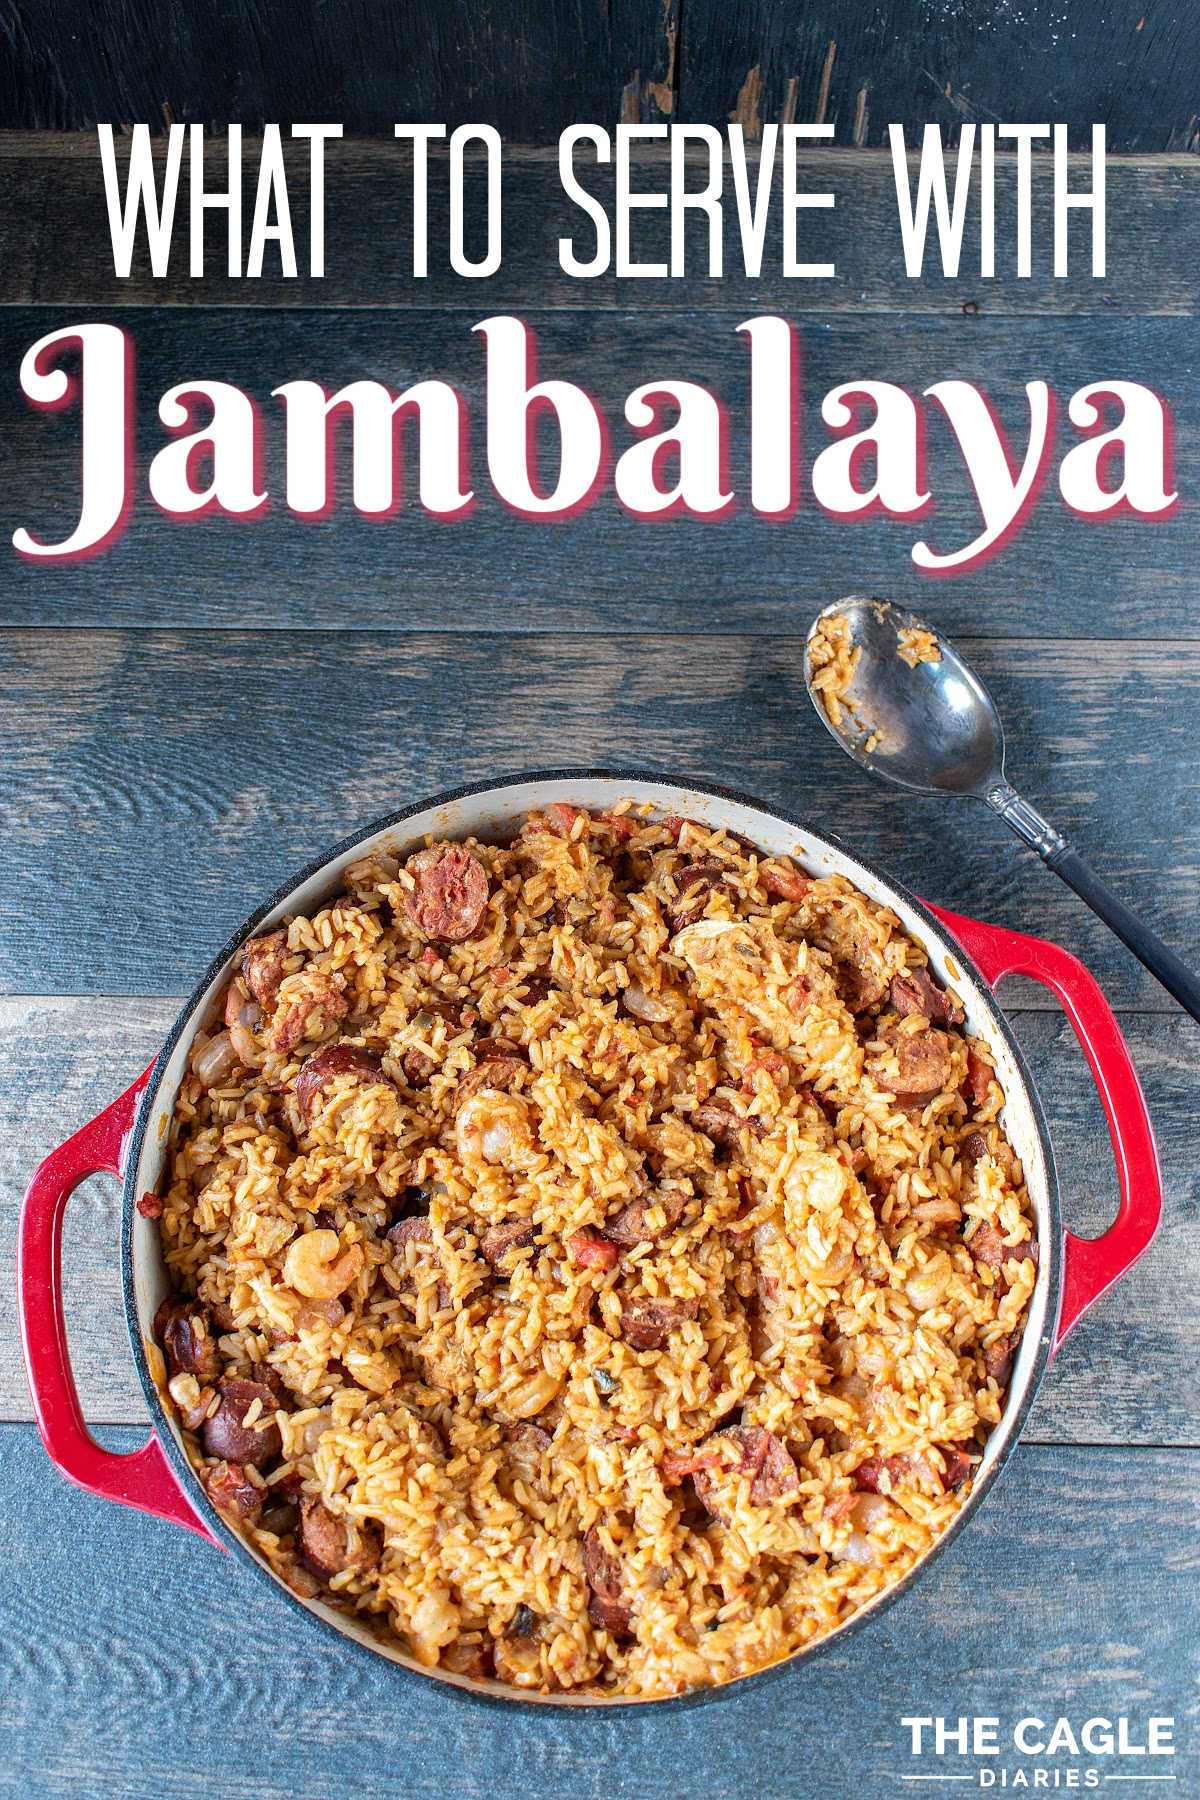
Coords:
1061,575
529,69
142,1661
52,193
1125,1375
173,779
536,67
646,55
950,65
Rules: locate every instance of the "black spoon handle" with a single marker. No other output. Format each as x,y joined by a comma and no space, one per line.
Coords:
1058,854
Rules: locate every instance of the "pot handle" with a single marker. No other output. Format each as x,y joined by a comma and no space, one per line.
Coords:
144,1477
1090,1265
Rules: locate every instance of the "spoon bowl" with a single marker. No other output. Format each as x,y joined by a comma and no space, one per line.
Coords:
932,728
916,714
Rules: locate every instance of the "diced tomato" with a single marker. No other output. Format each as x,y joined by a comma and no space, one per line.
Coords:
784,882
591,1250
678,1463
561,818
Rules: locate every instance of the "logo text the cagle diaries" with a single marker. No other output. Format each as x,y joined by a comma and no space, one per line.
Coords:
1039,1751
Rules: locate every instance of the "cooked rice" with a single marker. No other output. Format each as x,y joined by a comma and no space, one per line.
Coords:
832,660
813,1259
917,645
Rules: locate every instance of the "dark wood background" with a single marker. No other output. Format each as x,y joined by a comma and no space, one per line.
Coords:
531,67
187,717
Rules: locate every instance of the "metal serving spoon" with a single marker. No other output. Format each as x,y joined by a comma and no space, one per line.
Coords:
933,728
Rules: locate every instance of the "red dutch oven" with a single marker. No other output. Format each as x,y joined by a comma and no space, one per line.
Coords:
128,1139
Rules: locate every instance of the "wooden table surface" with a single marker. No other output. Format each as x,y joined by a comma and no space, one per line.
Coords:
190,716
531,67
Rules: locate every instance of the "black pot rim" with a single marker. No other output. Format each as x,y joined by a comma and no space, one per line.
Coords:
1051,1265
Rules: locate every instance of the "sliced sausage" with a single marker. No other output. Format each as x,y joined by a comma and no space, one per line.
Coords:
630,1227
325,994
692,884
914,1067
418,1067
592,1250
720,1120
959,1468
762,1458
879,1474
232,1492
533,989
263,961
768,1463
884,1474
184,1329
913,992
610,1615
325,1543
998,1359
500,1240
499,1065
226,1436
647,1324
525,1432
987,1246
608,1608
269,1377
860,987
783,881
316,1072
469,1656
980,1076
450,892
416,1229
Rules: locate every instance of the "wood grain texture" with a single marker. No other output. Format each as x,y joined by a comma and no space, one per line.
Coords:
146,1662
173,779
266,691
1125,1375
531,69
527,70
1061,576
52,192
646,52
1075,61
